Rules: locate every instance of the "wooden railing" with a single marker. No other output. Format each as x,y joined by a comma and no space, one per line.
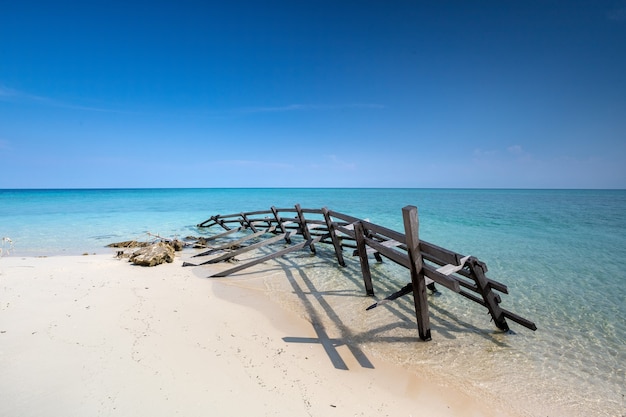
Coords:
427,263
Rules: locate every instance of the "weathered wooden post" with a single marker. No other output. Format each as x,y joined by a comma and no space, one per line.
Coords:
303,227
333,236
359,236
411,230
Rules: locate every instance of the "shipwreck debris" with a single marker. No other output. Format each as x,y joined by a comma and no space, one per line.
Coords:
427,263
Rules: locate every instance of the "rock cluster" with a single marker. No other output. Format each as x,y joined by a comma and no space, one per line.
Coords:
149,254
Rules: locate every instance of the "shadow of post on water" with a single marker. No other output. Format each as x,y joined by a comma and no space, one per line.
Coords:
318,309
321,312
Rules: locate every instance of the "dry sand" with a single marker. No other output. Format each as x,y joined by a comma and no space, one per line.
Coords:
97,336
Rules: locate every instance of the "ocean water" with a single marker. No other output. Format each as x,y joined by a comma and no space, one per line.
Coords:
560,252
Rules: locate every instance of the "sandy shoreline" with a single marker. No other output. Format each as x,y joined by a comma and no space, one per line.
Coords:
93,335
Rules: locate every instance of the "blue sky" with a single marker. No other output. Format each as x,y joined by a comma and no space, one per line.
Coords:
504,94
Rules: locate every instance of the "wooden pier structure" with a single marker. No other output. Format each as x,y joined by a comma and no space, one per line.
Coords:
303,228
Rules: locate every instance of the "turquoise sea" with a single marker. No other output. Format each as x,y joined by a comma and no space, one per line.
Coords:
560,252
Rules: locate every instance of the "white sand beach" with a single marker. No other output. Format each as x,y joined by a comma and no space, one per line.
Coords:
96,336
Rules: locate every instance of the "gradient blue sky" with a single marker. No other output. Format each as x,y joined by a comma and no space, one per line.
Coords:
513,94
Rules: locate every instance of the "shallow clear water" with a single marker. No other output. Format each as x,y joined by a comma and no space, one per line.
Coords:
560,253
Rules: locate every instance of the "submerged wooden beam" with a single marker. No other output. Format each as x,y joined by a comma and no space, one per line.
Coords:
224,234
235,242
266,258
229,255
491,302
519,320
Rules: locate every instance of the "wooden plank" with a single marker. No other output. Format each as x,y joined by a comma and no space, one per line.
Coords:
372,227
398,257
383,231
266,258
348,231
333,236
519,320
411,228
346,218
259,212
447,281
497,286
228,216
359,233
287,210
313,211
385,243
440,255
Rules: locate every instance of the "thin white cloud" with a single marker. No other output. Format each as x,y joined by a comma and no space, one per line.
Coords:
247,163
310,107
291,107
340,163
12,95
515,149
481,153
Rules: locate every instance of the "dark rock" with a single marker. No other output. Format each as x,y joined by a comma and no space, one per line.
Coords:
177,245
